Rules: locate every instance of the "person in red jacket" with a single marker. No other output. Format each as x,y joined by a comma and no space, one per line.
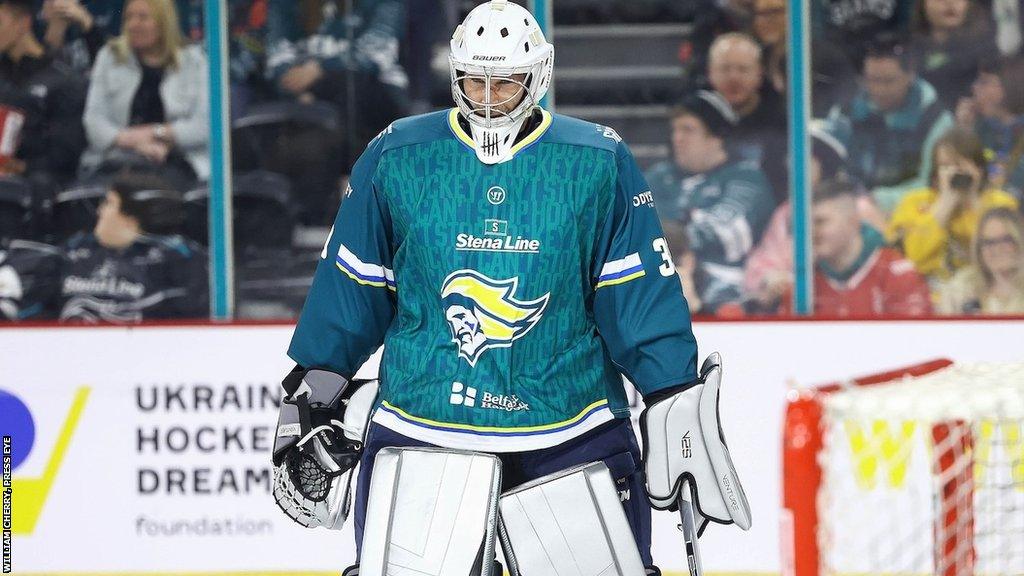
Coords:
855,273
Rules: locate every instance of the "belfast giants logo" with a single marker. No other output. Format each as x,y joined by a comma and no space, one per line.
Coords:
484,313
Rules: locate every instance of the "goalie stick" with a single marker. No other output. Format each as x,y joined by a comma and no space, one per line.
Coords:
690,531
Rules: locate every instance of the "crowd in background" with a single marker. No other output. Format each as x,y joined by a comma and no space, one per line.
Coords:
916,163
917,160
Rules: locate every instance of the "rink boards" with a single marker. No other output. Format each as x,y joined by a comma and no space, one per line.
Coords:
146,450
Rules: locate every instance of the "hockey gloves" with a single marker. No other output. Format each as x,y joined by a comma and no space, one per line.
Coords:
318,443
684,443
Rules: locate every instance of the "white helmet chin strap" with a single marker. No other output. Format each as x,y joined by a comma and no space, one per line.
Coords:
493,145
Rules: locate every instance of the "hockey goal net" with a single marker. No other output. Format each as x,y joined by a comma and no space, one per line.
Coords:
912,472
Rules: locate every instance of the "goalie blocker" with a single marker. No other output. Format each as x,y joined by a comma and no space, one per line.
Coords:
684,444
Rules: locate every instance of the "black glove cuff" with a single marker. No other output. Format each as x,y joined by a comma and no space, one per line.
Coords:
659,395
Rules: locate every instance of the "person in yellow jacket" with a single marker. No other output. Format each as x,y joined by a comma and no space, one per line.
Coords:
935,226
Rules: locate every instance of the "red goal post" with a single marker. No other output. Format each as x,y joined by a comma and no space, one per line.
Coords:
918,470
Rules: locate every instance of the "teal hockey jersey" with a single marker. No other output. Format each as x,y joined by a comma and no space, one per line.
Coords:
509,298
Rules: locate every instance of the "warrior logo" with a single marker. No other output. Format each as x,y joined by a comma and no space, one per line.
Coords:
483,313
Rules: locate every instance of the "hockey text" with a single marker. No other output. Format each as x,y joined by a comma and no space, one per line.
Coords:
167,447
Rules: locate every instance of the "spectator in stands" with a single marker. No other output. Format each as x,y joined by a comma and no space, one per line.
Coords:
769,271
711,19
41,104
853,25
855,273
724,204
994,282
130,268
148,103
29,270
247,31
685,263
769,27
705,294
74,32
736,72
993,112
891,125
316,51
833,77
935,225
247,54
949,40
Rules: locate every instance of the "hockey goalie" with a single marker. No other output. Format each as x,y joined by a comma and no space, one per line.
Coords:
512,264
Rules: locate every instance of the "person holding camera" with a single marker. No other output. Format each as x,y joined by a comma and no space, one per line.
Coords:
936,225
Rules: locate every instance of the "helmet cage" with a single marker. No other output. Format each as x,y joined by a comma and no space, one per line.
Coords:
488,114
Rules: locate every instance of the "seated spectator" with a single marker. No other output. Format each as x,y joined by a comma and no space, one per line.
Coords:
129,269
247,31
74,32
853,25
29,270
29,280
833,77
705,294
949,40
855,274
769,271
935,225
711,19
41,104
891,125
994,282
995,112
724,204
148,100
735,71
247,53
310,56
685,263
769,28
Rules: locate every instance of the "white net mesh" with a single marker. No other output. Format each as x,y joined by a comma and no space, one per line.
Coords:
925,475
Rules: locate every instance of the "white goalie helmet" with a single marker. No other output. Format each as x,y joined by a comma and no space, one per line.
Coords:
497,41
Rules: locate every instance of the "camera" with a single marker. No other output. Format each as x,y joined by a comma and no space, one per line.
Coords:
961,182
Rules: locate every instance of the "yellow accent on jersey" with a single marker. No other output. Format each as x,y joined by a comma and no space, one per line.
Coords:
622,280
583,413
545,123
503,318
358,280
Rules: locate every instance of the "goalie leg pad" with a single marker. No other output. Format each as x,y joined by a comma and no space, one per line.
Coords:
570,523
432,512
683,441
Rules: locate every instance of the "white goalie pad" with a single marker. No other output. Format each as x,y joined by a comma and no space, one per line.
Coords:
431,512
684,443
570,523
